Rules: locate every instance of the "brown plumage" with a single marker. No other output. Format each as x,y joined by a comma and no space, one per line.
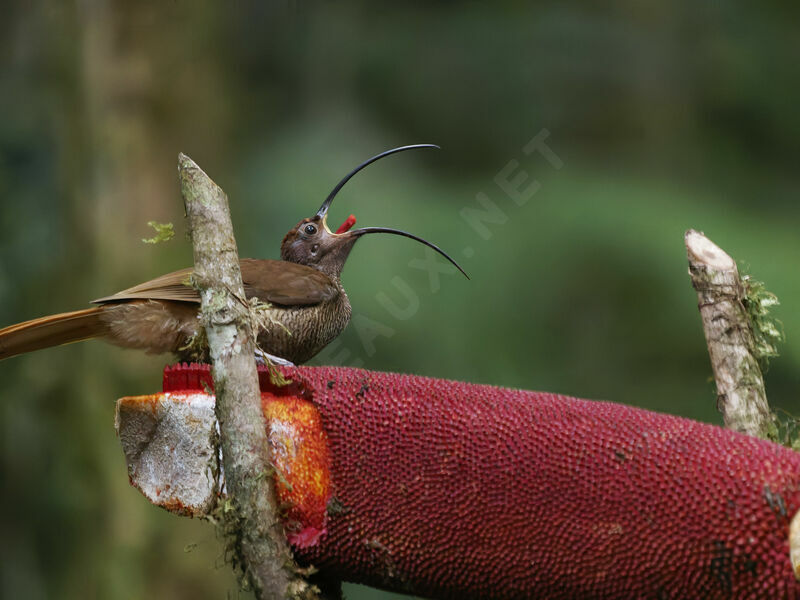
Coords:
308,306
162,315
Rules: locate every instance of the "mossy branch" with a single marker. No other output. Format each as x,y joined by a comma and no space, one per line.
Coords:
734,348
261,547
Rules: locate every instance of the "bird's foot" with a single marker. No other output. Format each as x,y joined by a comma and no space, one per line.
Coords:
266,359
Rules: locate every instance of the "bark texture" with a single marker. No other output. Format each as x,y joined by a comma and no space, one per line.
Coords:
261,546
741,397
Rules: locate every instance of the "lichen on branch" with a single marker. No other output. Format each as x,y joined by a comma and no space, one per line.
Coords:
734,347
261,547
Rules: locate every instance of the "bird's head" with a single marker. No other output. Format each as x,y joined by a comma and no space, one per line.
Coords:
312,243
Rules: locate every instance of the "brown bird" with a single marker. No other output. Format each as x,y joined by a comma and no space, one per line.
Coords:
305,305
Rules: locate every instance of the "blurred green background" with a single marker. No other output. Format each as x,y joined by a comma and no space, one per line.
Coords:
664,117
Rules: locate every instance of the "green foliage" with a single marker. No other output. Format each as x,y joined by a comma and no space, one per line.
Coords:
164,233
786,429
768,333
767,330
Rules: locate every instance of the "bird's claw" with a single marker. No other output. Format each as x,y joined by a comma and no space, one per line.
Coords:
266,359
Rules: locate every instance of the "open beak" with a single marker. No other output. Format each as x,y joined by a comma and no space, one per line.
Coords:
365,230
345,228
323,210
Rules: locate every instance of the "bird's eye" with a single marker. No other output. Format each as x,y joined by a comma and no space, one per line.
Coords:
310,229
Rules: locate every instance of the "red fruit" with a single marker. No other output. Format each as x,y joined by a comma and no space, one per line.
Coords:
448,489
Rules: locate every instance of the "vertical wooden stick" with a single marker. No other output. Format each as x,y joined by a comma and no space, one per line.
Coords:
261,543
741,397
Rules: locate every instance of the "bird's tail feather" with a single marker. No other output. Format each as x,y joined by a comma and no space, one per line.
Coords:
53,330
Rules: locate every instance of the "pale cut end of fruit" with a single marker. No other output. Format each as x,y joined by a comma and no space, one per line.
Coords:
794,544
170,446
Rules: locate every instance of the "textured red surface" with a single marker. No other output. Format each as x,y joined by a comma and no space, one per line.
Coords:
450,489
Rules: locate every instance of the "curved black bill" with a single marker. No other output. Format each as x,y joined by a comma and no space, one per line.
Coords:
325,205
363,230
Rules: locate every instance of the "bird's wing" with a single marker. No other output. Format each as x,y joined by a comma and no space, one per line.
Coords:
172,286
286,283
275,281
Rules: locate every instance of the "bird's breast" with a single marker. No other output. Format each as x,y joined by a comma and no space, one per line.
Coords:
298,333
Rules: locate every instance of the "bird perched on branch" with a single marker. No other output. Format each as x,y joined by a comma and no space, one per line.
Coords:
299,302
